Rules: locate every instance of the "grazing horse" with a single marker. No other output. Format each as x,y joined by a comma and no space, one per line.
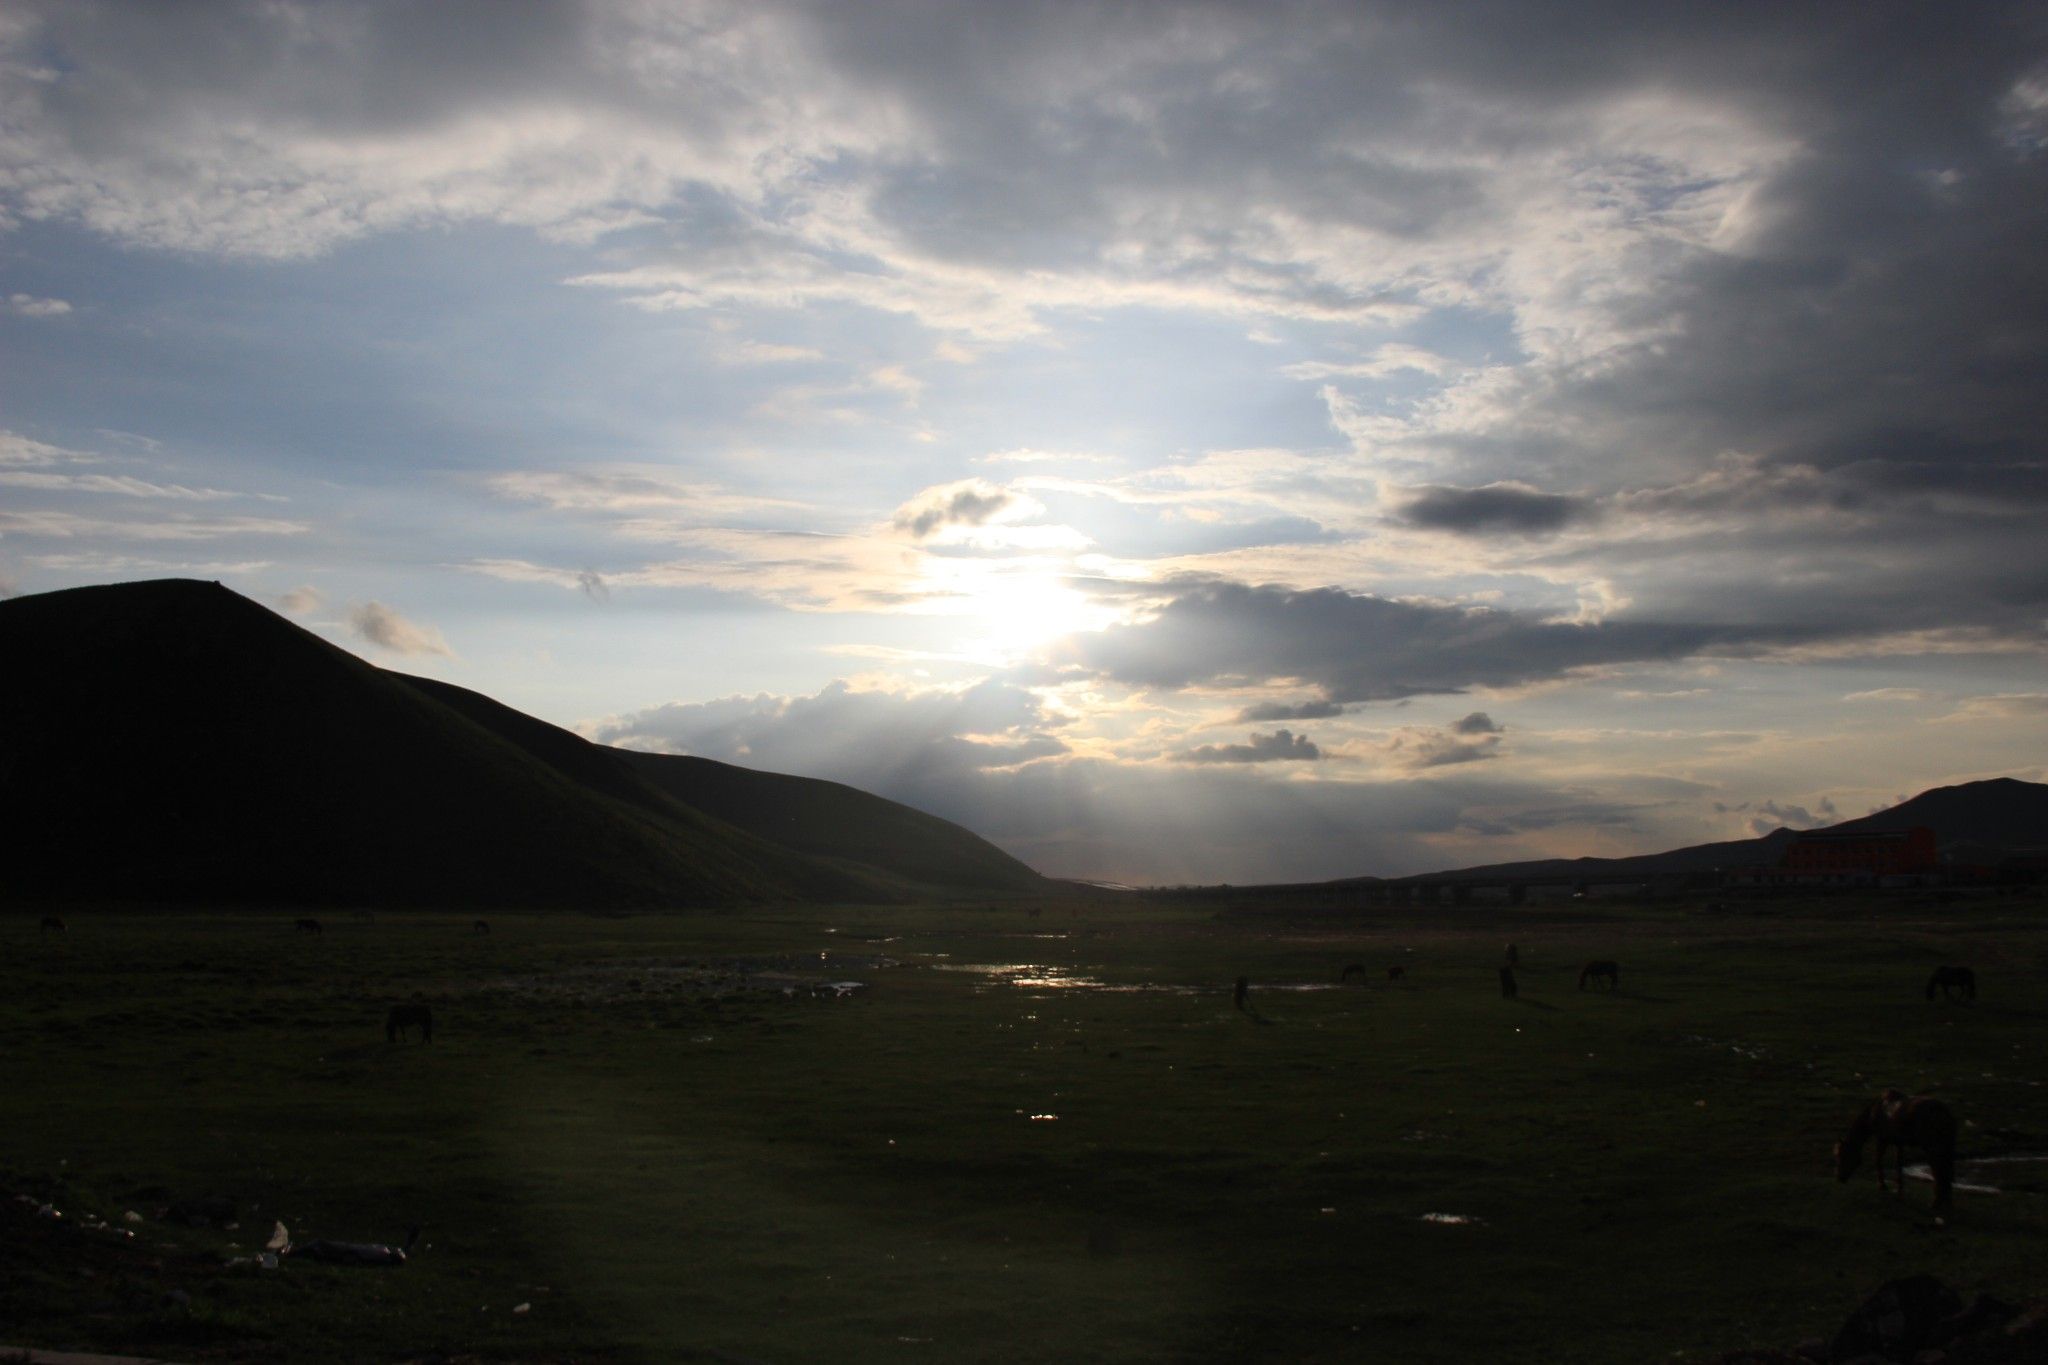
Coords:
1610,972
307,926
1355,969
403,1017
480,928
52,924
1951,981
1902,1121
1508,990
1396,973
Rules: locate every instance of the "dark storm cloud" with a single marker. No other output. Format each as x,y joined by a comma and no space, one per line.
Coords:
1499,508
1359,648
1284,710
1596,814
971,505
1282,746
1471,740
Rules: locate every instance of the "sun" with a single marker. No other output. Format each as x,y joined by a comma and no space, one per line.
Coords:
1009,609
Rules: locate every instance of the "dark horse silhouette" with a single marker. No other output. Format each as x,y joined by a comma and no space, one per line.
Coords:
1507,983
1514,958
403,1017
1898,1120
480,927
1396,973
51,924
1601,970
307,926
1355,969
1240,994
1953,981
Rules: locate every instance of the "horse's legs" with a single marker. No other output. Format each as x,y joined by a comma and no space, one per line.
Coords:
1882,1144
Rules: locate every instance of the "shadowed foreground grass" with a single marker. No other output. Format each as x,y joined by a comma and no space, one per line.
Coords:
669,1159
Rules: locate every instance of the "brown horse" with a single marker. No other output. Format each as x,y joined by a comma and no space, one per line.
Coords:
51,924
1396,973
1354,969
480,927
1952,981
306,926
1900,1121
1513,958
403,1017
1601,970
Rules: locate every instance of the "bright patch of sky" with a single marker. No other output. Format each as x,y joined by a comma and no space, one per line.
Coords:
1180,442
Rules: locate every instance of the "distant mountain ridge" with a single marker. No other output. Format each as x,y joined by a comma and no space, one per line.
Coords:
1996,815
173,740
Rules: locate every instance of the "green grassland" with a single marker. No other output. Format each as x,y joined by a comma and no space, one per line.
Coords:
629,1125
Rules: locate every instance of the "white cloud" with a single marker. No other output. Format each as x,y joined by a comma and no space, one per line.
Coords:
301,600
384,627
29,306
67,526
2004,706
25,451
769,353
121,485
632,491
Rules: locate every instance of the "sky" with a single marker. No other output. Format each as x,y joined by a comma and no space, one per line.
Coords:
1180,442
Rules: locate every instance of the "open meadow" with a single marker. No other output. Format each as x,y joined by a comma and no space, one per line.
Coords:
1027,1134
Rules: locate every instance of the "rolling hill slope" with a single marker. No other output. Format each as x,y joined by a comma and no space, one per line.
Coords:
173,740
1973,819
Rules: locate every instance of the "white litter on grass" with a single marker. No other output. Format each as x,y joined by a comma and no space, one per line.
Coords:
1460,1219
1927,1173
1970,1165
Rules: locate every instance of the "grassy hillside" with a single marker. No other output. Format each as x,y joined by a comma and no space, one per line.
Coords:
173,740
830,820
867,836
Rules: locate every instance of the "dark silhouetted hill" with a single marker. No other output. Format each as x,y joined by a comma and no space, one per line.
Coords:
826,820
831,820
2001,812
173,740
1973,821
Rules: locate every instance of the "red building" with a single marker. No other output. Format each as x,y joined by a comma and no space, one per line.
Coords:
1861,856
1845,858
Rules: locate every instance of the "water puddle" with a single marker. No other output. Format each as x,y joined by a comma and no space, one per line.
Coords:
1046,976
1972,1172
789,974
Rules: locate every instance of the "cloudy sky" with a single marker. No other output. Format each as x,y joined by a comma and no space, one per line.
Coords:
1178,441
